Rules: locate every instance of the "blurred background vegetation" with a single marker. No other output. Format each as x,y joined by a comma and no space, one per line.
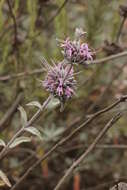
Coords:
28,30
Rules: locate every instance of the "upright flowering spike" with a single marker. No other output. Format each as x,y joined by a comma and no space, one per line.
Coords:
60,81
75,51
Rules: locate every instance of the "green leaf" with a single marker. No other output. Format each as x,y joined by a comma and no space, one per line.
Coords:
19,140
34,103
2,143
4,178
34,131
23,115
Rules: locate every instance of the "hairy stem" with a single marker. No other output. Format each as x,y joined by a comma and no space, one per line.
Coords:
29,123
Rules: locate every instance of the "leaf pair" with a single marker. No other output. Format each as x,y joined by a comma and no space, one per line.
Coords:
51,105
23,139
19,140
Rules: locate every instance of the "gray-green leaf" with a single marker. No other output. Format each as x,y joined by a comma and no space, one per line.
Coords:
34,103
51,133
53,103
4,178
23,115
33,131
19,140
2,143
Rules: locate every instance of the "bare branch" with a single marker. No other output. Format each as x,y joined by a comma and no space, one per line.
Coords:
120,29
10,112
67,138
88,151
109,58
15,24
56,14
102,146
107,88
22,74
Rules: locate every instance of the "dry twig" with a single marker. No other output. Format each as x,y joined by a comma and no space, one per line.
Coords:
88,151
15,25
10,112
22,74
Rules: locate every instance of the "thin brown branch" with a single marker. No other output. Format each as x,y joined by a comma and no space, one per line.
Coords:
15,24
9,27
22,74
107,88
109,58
88,151
67,138
120,29
56,14
52,18
10,112
102,146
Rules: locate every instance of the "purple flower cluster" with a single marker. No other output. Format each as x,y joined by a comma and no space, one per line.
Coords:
60,81
76,52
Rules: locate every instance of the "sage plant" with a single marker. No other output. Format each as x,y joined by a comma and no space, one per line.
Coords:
59,81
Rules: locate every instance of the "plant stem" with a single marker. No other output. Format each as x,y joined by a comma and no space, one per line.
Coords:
108,58
29,123
120,29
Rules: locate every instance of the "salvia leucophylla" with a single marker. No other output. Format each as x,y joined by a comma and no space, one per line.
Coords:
60,78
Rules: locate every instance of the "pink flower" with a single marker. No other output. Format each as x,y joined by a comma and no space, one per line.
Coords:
85,52
60,81
76,52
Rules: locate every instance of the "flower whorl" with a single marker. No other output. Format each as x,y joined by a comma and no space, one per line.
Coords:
60,81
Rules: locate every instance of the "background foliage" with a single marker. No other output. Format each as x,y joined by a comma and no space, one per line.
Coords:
30,31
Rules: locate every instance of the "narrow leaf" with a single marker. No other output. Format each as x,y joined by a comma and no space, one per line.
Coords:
53,103
4,178
23,115
2,143
19,140
34,103
33,131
